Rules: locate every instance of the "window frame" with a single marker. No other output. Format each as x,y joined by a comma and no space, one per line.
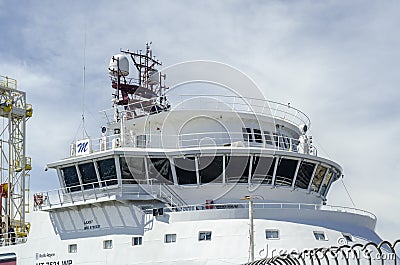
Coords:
258,137
137,241
268,138
207,236
272,230
348,237
70,250
169,238
316,233
247,134
105,246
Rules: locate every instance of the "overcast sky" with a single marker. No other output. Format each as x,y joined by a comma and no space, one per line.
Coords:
338,61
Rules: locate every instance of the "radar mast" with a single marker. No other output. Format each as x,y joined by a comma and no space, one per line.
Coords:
140,95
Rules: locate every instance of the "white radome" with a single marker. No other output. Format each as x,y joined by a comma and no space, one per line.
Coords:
121,61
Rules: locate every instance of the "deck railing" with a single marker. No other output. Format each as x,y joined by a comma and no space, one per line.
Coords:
198,140
100,190
229,103
106,189
285,205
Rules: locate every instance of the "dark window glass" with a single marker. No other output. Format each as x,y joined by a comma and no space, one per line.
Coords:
89,176
210,169
205,236
325,183
282,143
237,169
71,178
276,143
295,143
141,141
272,234
132,170
267,137
160,170
319,235
247,135
107,171
185,170
137,241
287,143
285,172
262,170
348,237
319,176
304,175
258,136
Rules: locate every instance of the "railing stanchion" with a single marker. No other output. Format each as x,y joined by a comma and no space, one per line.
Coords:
48,198
59,197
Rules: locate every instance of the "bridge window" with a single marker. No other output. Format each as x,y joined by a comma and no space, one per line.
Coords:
267,137
71,178
108,172
205,236
132,170
276,139
326,181
272,234
89,177
237,169
258,136
282,142
160,170
319,176
304,175
263,169
285,172
141,141
293,144
186,170
247,135
210,169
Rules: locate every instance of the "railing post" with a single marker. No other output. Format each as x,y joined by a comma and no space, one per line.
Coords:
72,200
48,198
94,189
59,197
83,194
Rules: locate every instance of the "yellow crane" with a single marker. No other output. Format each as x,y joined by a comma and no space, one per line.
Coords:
14,164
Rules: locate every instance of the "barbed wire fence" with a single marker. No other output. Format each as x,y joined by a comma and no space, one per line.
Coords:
370,253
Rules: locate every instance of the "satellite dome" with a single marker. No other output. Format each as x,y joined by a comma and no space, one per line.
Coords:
121,61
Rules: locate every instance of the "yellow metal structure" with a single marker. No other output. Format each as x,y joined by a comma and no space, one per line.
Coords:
14,165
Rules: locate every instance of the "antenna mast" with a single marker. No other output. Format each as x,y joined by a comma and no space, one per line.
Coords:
144,94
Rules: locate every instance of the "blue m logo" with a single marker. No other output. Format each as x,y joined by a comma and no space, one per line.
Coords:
82,147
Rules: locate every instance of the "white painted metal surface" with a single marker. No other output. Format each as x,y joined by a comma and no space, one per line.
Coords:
163,184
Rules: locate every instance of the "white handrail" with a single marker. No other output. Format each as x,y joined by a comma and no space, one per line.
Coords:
229,102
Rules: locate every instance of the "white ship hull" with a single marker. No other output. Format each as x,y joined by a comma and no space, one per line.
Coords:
90,226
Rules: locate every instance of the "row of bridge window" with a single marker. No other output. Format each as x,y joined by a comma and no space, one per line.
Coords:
199,170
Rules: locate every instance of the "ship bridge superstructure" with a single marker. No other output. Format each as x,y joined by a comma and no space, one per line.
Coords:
192,148
193,160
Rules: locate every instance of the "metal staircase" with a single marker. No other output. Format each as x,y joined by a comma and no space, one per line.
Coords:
167,195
